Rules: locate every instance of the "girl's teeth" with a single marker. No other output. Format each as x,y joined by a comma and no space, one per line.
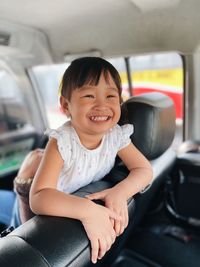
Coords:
102,118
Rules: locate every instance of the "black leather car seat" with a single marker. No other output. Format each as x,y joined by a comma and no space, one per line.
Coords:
58,242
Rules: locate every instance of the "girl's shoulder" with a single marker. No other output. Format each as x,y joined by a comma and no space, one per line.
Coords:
63,136
120,135
120,130
60,131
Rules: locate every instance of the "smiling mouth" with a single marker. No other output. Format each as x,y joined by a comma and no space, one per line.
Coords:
99,118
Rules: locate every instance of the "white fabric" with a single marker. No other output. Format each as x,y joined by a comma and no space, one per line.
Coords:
81,165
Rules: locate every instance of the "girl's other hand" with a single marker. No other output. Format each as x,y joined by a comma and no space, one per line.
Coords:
31,164
116,201
99,230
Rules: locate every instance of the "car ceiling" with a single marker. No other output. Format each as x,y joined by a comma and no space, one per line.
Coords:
113,27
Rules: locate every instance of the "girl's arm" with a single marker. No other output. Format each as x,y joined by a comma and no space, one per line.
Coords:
47,200
139,177
141,172
22,182
44,197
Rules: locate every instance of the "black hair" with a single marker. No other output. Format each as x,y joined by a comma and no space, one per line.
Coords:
87,70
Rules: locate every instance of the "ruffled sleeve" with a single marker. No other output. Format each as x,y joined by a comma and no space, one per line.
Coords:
61,138
125,132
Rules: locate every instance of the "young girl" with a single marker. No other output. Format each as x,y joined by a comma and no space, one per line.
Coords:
83,150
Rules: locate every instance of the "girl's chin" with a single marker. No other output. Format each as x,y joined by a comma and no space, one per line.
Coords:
100,127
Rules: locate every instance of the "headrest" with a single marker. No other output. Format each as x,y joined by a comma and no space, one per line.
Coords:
153,117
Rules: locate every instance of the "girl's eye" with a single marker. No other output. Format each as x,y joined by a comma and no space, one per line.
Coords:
89,96
110,96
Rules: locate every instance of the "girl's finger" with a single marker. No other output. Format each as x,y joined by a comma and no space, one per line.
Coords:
124,220
121,227
114,215
102,248
117,227
95,196
126,217
94,250
112,222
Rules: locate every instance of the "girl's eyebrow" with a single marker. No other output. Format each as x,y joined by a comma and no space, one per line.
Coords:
89,87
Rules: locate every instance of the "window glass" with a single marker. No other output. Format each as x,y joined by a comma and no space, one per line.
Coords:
12,154
119,64
48,79
13,113
161,73
14,123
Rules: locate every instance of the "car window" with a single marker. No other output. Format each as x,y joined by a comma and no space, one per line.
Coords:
47,81
119,64
13,113
153,72
15,121
161,73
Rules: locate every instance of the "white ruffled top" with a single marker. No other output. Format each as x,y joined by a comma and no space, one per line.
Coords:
81,165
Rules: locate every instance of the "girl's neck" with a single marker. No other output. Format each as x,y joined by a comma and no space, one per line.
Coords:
89,141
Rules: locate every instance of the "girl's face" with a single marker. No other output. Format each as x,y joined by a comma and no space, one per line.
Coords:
94,109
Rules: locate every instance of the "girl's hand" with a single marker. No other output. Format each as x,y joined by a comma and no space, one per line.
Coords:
99,230
116,201
31,164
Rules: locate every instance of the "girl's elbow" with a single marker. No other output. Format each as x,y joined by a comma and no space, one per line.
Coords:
149,169
150,172
35,203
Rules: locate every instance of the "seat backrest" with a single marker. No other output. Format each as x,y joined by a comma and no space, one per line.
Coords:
153,117
62,241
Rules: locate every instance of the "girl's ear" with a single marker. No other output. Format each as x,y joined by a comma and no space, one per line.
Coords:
64,105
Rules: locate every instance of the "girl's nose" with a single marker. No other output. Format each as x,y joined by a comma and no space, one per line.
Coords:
100,103
100,107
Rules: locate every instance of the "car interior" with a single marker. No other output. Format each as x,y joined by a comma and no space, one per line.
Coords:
38,40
